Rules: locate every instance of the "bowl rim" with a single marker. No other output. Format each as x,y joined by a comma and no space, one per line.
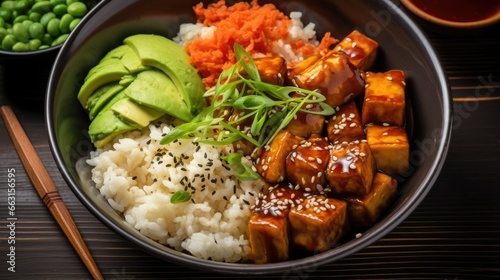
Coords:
311,262
448,23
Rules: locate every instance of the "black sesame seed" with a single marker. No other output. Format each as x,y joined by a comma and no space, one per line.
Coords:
246,202
148,142
134,178
225,198
214,192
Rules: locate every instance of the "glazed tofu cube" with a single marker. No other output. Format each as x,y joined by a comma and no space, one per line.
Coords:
306,164
270,160
364,211
384,100
360,49
334,76
390,148
268,237
351,168
268,226
299,68
306,124
318,223
345,124
272,70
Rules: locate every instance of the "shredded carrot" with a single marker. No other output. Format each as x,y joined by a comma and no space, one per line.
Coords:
257,28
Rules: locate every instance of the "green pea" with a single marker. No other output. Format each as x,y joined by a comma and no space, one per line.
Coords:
65,22
46,18
42,7
74,23
8,42
34,16
42,47
59,40
57,2
21,32
6,14
60,10
20,47
53,27
36,30
2,22
3,33
47,39
27,23
21,6
8,5
69,2
20,19
34,44
77,9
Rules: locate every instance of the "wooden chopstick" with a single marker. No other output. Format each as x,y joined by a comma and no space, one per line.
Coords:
46,188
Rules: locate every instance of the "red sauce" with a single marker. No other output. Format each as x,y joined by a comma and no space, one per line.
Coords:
459,10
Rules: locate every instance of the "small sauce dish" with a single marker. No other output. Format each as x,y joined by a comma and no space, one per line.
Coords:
462,14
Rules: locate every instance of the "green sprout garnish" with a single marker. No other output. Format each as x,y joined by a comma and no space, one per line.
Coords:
270,106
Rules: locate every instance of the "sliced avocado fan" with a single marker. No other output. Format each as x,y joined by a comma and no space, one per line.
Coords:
160,52
137,82
154,89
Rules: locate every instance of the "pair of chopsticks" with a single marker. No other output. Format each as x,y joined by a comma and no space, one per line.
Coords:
46,188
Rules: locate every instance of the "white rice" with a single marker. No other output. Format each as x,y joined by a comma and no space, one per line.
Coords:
138,176
297,31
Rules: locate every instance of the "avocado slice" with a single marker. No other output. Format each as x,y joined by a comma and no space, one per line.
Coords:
153,88
101,96
160,52
128,57
100,76
96,95
135,114
105,127
119,62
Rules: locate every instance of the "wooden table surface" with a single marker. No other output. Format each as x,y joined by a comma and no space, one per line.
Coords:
453,234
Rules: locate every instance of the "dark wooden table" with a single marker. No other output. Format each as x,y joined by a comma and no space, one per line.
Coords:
453,234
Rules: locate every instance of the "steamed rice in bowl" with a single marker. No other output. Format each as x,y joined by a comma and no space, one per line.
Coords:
138,176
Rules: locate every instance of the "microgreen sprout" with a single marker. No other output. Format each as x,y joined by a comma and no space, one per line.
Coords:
269,107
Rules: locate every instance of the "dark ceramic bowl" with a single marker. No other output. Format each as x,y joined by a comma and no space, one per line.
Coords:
402,46
25,74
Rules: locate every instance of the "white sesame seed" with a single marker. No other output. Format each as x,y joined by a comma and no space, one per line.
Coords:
389,78
352,125
386,124
385,134
319,161
352,166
